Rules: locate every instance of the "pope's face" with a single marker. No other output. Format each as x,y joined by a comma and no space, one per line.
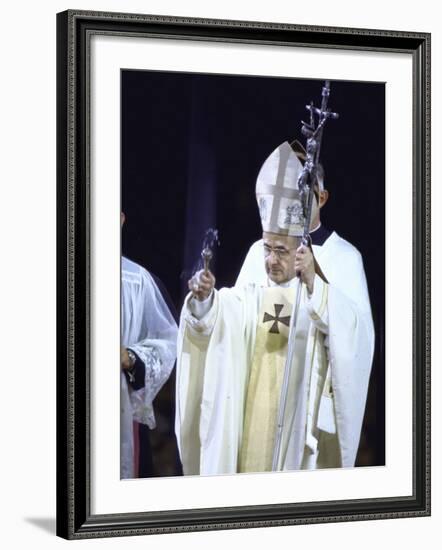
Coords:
279,256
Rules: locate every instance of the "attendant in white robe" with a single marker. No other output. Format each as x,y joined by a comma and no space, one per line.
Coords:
233,342
148,354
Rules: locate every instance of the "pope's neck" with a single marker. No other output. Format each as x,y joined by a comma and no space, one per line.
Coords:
285,284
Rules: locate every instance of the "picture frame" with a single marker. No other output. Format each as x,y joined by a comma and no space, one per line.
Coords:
75,218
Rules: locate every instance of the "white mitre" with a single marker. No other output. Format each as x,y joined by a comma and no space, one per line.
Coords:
278,195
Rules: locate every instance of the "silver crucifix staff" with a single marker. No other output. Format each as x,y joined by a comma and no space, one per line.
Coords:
306,181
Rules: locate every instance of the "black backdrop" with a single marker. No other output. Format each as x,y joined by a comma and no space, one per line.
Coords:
192,146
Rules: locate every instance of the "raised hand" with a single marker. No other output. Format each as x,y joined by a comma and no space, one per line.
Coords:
305,266
202,284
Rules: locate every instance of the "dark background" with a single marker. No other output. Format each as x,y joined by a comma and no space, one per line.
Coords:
192,146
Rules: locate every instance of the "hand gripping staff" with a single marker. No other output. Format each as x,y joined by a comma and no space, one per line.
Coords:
306,182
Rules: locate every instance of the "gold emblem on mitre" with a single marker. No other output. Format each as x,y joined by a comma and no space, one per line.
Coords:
278,195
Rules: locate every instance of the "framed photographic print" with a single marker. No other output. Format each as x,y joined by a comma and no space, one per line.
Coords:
243,274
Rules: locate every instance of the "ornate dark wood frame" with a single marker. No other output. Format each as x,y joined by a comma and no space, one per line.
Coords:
74,519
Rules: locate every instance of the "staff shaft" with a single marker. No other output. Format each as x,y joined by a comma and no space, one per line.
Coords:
306,183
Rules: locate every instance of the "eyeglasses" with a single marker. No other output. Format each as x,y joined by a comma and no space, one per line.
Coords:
280,253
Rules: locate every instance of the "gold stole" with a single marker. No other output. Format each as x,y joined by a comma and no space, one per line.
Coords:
266,376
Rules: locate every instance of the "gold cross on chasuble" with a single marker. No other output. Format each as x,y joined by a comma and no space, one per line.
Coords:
276,319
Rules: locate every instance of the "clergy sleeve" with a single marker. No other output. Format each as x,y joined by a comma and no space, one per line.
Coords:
156,371
317,304
200,317
154,343
200,308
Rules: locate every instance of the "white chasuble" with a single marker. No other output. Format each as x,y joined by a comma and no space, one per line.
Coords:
229,376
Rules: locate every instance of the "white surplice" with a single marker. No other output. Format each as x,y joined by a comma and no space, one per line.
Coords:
147,328
216,351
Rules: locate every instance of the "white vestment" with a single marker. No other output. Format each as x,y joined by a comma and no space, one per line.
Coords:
147,328
216,351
